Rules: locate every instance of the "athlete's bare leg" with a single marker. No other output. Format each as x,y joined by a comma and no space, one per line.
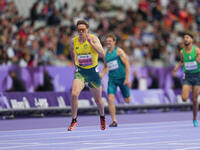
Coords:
77,87
186,89
111,106
195,94
97,94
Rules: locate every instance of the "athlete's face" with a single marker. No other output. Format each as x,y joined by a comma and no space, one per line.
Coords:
82,30
110,42
187,40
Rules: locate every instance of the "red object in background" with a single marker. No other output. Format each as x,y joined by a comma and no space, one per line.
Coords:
30,63
185,18
169,19
23,34
144,5
2,4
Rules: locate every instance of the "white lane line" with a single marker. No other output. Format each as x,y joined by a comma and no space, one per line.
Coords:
70,137
121,132
121,125
139,144
88,131
103,143
157,123
14,147
188,144
24,130
30,134
82,142
16,143
189,148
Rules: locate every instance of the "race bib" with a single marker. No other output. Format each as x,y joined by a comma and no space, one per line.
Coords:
191,65
113,65
85,60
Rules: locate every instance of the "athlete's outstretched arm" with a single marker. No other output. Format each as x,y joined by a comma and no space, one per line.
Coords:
124,59
96,44
197,54
72,53
180,63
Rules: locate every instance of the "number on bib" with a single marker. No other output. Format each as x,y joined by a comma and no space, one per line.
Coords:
85,60
191,65
113,65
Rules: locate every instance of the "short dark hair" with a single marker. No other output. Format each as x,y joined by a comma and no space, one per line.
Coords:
82,22
111,35
189,34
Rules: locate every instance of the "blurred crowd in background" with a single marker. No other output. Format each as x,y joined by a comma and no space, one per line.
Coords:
150,31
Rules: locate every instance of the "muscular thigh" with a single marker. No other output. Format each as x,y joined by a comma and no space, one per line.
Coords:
78,85
97,93
186,89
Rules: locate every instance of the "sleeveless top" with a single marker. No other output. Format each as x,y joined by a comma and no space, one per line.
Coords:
87,57
115,66
190,65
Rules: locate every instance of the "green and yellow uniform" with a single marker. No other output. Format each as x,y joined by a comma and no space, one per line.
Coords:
86,63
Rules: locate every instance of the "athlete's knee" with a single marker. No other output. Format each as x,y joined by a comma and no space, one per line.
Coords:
184,98
111,102
74,95
195,102
127,100
111,99
98,100
195,97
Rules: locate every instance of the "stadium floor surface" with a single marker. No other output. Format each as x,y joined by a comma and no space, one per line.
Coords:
149,131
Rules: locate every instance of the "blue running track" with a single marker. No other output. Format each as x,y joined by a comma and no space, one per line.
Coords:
152,131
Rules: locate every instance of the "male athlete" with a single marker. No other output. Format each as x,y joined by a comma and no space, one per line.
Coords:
85,49
190,60
117,64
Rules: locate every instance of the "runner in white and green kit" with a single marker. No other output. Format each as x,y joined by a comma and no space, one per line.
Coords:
190,60
118,66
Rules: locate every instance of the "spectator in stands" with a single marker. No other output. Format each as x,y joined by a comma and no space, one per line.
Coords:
34,13
2,59
148,28
134,84
17,84
53,15
48,85
154,81
25,60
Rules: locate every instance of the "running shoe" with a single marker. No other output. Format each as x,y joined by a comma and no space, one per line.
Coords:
195,123
72,126
103,123
113,124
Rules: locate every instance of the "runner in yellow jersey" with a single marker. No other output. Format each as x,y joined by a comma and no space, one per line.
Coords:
85,49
